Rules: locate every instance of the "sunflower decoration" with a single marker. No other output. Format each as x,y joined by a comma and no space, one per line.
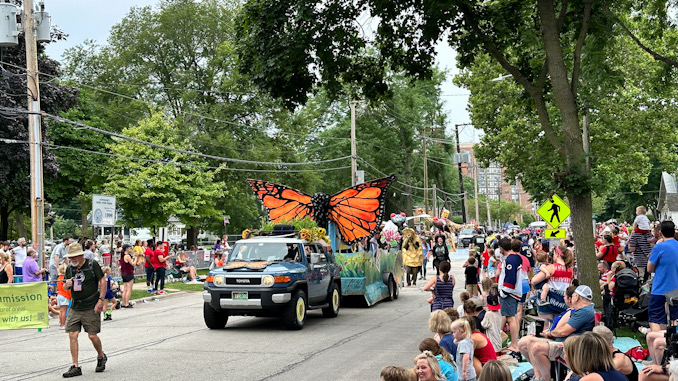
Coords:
246,233
305,234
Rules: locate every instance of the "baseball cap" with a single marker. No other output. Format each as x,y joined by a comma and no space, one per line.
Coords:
478,302
584,292
493,302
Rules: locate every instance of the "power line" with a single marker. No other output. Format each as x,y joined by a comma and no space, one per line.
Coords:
171,162
238,124
185,152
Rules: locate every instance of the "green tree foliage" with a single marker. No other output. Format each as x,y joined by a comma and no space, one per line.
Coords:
151,185
556,52
179,56
54,98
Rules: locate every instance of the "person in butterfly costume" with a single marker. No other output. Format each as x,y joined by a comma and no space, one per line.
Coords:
357,211
413,255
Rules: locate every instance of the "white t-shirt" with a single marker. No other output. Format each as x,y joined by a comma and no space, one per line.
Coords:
642,221
19,256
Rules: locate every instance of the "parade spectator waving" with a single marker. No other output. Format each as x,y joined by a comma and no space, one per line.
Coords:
87,284
663,263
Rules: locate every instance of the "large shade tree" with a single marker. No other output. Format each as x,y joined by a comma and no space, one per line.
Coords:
290,47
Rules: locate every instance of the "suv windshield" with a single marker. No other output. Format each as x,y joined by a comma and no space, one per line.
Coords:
263,251
467,232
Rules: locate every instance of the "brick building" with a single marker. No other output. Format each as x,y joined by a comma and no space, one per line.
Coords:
491,181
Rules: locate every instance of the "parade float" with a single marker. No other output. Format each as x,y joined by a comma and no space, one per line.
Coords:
350,218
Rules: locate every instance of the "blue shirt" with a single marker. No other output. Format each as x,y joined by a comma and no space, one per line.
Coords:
447,342
581,320
665,257
446,369
509,279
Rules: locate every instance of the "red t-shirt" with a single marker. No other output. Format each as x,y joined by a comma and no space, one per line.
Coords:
615,241
155,259
486,257
149,257
611,252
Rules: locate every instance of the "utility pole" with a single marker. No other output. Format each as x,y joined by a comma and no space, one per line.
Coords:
354,155
435,201
425,174
34,131
461,177
487,200
475,186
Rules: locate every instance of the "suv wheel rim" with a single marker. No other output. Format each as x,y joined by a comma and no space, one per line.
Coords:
301,309
335,300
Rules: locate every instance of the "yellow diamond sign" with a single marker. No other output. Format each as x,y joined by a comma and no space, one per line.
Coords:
554,211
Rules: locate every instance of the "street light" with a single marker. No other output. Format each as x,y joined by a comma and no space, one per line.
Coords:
501,77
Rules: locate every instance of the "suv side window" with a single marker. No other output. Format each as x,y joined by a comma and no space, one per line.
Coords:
318,249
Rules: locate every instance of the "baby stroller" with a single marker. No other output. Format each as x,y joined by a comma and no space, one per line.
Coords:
637,314
627,293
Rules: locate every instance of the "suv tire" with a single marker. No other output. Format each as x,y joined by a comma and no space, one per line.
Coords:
214,319
392,289
294,315
334,299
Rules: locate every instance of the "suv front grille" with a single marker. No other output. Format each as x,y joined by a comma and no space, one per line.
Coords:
243,281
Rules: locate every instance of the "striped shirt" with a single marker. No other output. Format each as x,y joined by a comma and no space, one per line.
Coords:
641,242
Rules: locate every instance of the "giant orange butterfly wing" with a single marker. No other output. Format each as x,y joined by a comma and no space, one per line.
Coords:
359,210
282,203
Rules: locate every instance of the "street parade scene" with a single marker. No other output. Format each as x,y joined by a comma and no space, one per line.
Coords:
339,190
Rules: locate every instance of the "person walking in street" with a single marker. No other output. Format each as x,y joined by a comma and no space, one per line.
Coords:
19,253
412,255
87,284
57,257
32,271
440,252
160,266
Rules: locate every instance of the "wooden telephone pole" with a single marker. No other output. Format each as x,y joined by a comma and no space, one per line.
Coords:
34,131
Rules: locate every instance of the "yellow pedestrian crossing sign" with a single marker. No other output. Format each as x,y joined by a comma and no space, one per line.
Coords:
555,233
554,211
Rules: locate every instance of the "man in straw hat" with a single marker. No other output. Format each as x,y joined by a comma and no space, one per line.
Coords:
88,290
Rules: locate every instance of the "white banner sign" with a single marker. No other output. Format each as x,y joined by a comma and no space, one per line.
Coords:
103,210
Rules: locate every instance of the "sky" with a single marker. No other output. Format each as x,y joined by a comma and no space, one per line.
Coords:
68,15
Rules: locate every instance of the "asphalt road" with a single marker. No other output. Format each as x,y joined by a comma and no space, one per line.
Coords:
168,340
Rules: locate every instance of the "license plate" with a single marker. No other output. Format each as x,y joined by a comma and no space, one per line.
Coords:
239,295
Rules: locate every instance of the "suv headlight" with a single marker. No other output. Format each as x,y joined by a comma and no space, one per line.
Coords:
268,280
219,280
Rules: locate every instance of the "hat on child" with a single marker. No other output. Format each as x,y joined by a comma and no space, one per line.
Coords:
478,302
493,302
584,292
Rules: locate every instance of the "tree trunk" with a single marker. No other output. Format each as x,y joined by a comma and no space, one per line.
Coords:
4,221
83,216
20,227
577,189
192,236
582,229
